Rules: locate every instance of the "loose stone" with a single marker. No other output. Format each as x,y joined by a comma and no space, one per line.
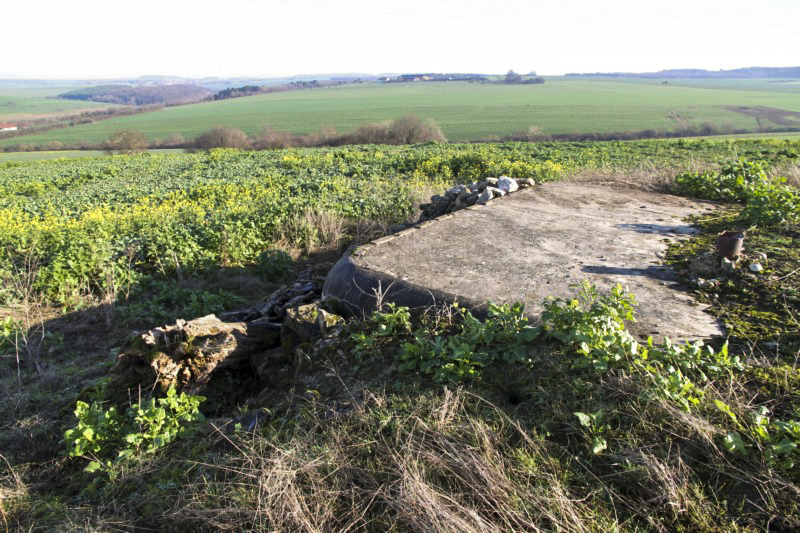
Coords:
506,184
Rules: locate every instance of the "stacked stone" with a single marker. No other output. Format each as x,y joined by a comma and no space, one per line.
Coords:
463,196
306,288
273,338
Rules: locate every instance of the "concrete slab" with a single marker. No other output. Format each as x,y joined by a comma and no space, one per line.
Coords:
533,244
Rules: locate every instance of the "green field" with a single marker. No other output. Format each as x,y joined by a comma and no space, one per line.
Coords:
726,84
467,111
439,422
62,154
774,136
30,103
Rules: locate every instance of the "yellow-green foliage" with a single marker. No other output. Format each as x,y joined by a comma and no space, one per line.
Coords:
93,224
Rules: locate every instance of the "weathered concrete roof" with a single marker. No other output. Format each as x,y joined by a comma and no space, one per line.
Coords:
533,244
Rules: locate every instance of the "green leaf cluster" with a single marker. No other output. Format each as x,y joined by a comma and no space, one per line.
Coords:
475,344
777,440
592,326
768,202
105,436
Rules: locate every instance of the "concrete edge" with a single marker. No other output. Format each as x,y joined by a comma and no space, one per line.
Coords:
353,289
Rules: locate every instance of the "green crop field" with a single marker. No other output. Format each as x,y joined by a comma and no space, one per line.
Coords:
774,136
727,84
29,103
63,154
253,197
397,422
471,111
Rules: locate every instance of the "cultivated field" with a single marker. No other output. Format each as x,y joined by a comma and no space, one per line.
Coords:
63,154
475,111
32,103
432,423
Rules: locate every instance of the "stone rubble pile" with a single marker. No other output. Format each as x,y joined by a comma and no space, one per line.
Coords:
271,340
463,196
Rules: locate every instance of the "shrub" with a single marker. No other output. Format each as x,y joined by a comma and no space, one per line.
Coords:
410,130
125,142
222,138
275,265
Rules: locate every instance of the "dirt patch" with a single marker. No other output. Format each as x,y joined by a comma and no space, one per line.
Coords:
782,117
534,244
680,119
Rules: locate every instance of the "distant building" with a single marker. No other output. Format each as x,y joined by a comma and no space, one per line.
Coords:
415,77
7,126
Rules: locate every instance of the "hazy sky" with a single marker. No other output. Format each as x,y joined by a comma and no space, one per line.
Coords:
113,38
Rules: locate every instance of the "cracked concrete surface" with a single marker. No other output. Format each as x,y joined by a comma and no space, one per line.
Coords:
533,244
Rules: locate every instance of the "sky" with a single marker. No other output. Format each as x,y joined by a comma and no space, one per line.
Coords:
267,38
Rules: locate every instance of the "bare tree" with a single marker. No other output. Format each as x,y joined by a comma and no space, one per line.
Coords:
222,138
125,142
513,77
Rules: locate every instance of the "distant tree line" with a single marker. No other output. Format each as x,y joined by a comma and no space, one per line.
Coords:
518,79
749,72
176,94
436,76
250,90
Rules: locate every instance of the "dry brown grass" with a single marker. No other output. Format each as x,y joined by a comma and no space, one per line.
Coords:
313,230
439,468
648,177
12,488
791,173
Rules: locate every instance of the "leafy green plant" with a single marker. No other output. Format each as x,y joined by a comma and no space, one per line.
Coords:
593,327
274,265
772,206
778,440
142,429
736,181
594,324
8,334
155,299
396,320
595,427
768,202
381,324
475,344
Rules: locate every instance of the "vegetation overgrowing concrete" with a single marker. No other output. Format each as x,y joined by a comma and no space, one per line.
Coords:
440,421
